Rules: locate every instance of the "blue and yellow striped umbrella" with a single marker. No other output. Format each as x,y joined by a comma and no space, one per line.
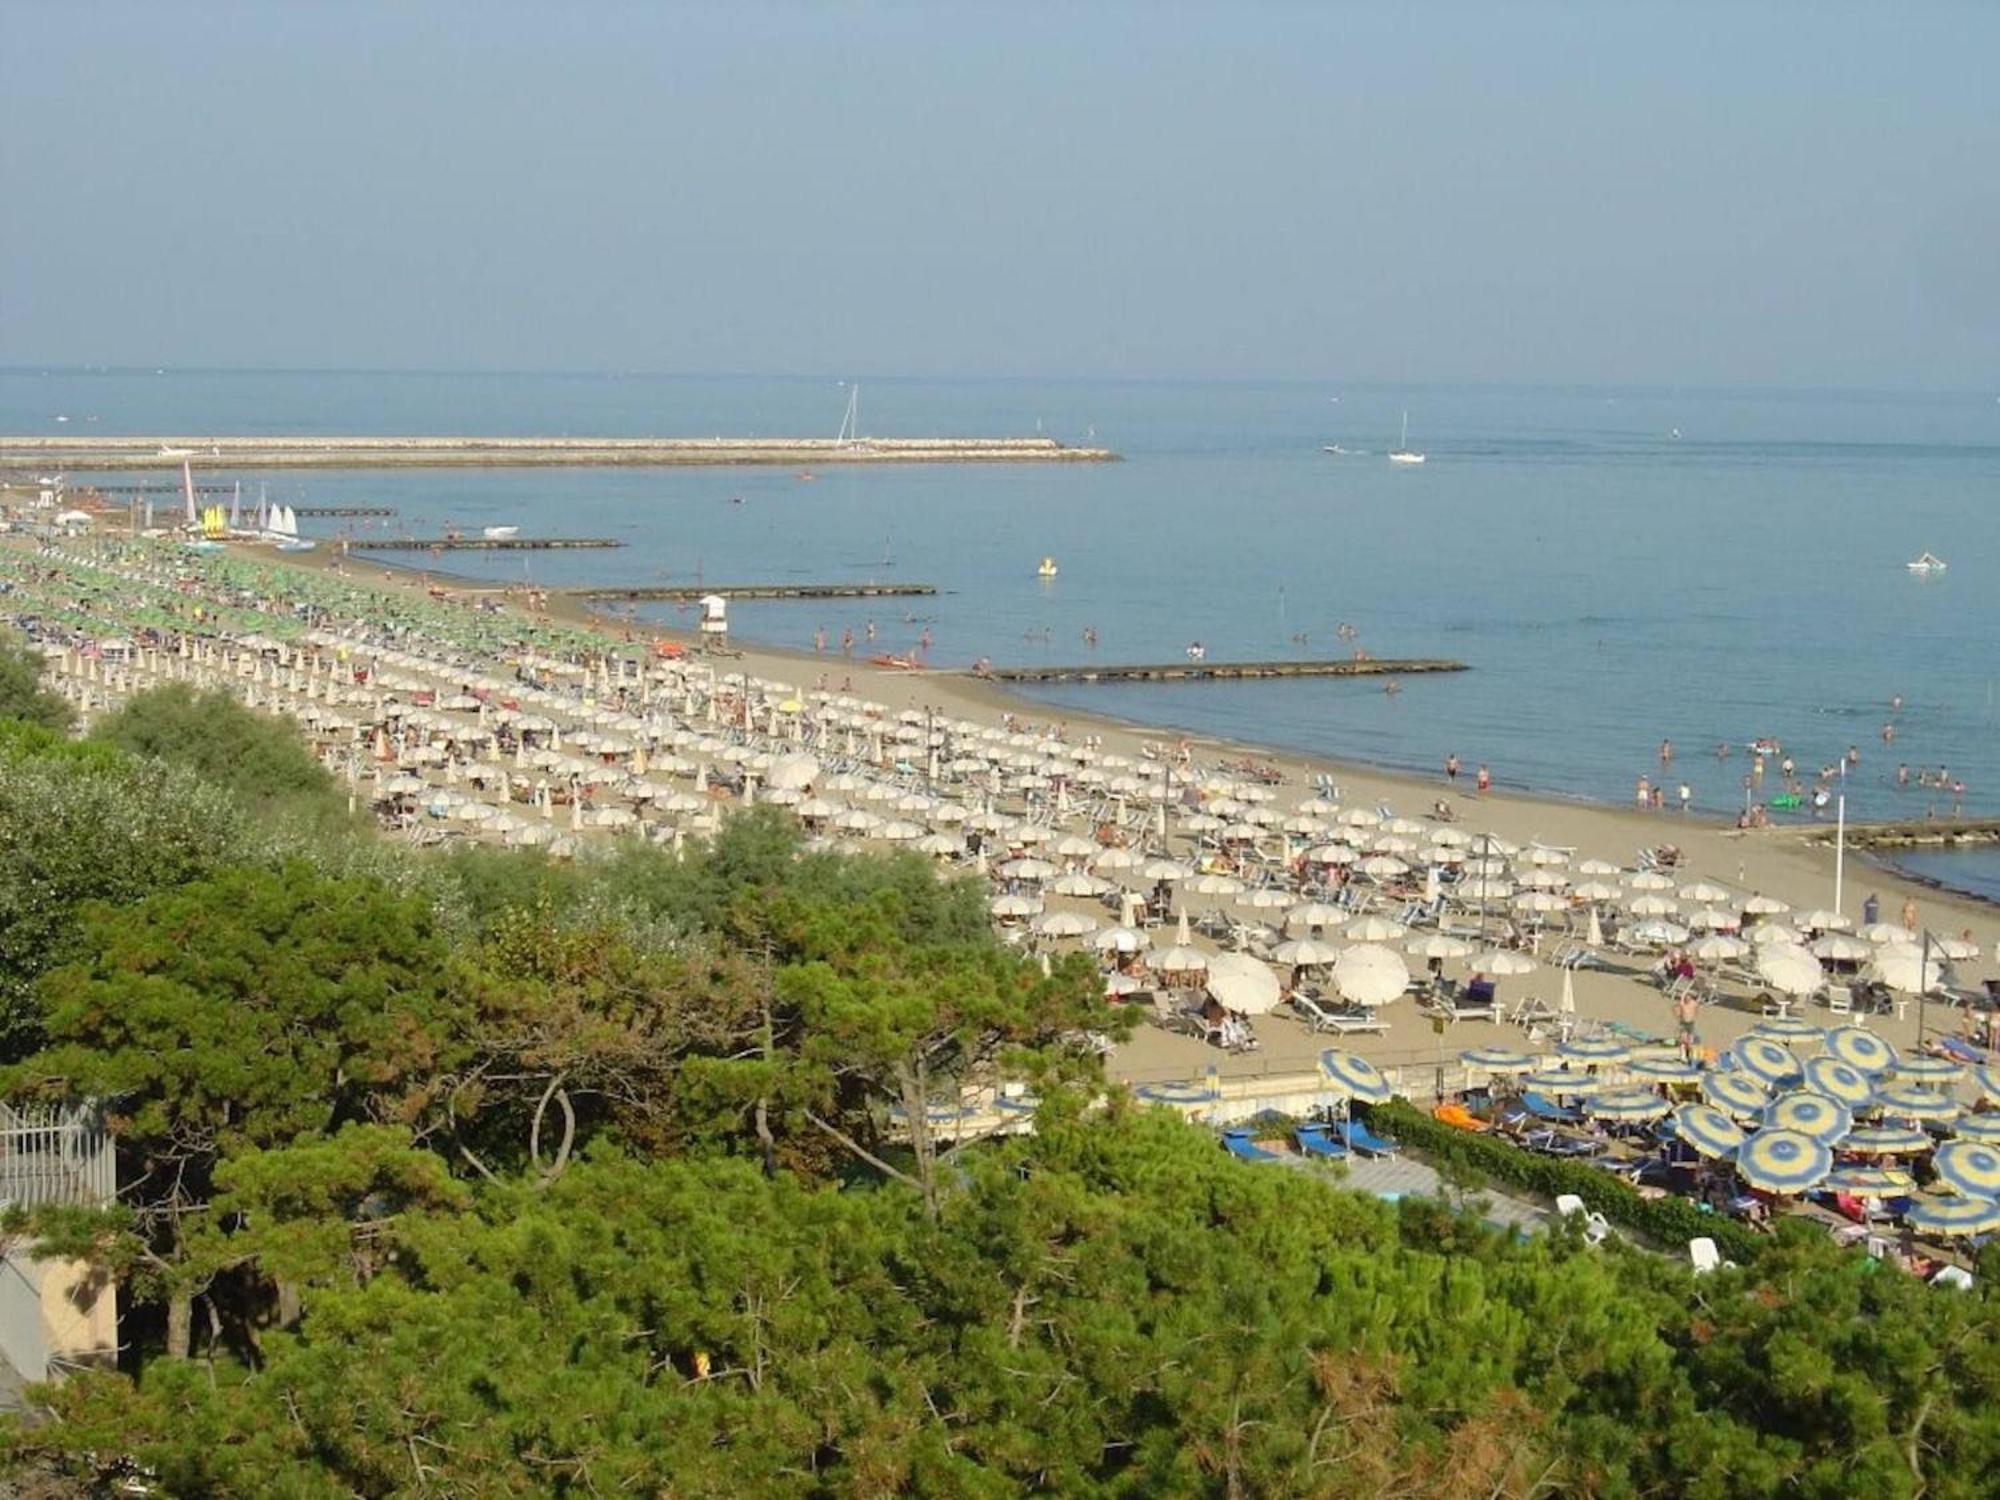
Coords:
1708,1130
1978,1128
1859,1047
1790,1030
1353,1076
1782,1161
1765,1059
1812,1115
1931,1072
1562,1081
1497,1060
1179,1095
1838,1080
1905,1102
1735,1091
1986,1078
1594,1051
1626,1104
1870,1182
1970,1167
1954,1215
1886,1140
1663,1070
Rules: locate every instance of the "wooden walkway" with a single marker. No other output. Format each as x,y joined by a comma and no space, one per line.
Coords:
758,591
1216,671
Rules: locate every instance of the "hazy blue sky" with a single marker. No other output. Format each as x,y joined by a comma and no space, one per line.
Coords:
1802,194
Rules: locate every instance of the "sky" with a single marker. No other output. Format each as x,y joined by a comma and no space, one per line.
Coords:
1519,192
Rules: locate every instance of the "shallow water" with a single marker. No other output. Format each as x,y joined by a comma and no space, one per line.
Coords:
1974,871
1610,584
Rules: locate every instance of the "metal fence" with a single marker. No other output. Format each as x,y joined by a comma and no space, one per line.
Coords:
58,1154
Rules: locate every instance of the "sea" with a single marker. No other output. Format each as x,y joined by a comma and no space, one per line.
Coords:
1617,567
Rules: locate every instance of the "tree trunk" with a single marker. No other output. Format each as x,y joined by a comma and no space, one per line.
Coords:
180,1322
764,1137
917,1114
289,1305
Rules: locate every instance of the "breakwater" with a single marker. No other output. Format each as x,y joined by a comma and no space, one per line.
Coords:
521,452
754,591
477,543
1198,671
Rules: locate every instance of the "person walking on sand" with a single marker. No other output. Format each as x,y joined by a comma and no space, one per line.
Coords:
1687,1009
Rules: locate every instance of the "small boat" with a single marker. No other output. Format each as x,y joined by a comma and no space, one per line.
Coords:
295,544
500,533
1403,453
1047,569
1336,450
1930,562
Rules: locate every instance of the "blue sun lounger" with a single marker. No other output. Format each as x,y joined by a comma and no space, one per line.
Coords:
1239,1144
1544,1108
1314,1141
1360,1138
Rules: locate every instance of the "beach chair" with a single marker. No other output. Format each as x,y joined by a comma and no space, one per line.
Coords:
1238,1143
1705,1257
1839,999
1953,1276
1544,1108
1360,1138
1596,1228
1314,1141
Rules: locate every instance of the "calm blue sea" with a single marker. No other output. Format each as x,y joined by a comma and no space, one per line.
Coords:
1609,582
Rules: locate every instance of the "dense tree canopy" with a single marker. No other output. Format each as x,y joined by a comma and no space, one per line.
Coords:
22,695
258,758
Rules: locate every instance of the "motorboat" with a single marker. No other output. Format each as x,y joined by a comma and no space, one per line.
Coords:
500,533
1929,563
1047,569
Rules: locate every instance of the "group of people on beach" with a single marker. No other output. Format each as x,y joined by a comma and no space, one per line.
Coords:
1482,779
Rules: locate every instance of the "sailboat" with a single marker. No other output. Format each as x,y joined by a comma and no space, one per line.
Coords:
1402,453
1928,563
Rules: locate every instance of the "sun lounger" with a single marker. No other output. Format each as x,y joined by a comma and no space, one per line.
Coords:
1323,1017
1239,1144
1596,1228
1314,1141
1705,1257
1459,1118
1960,1049
1360,1138
1544,1108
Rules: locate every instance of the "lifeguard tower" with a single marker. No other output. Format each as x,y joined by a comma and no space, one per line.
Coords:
714,622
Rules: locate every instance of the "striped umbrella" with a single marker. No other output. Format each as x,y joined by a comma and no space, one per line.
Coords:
1735,1091
1970,1167
1708,1130
1835,1079
1626,1104
1663,1070
1859,1047
1812,1115
1886,1140
1986,1078
1562,1081
1907,1102
1179,1095
1953,1215
1790,1030
1782,1161
1497,1060
1594,1051
1764,1059
1978,1128
1870,1182
1931,1072
1354,1077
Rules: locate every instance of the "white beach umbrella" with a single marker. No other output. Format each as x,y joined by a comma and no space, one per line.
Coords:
1308,915
1788,969
1370,975
1382,867
1703,893
1840,947
1332,854
1765,934
1164,869
1014,906
1500,962
1484,888
1822,920
1540,903
1883,932
1373,929
1305,952
1265,898
1650,880
1600,868
1596,890
1714,919
1652,905
1437,945
1212,884
1715,948
1658,932
1121,939
1243,984
1760,905
1903,968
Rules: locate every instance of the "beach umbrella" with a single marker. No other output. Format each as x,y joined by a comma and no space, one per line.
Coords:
1073,883
1309,915
1716,948
1540,903
1870,1182
1765,1059
1024,869
1064,924
1790,1030
1886,1140
1765,906
1734,1091
1120,939
1192,1097
1595,890
1373,929
1264,898
1905,969
1838,1080
1562,1081
1932,1072
1214,885
1014,906
1708,1130
1663,1070
1860,1048
1485,888
1650,905
1978,1128
1501,962
1243,984
1305,952
1703,893
1840,947
1986,1078
1116,983
1497,1060
1814,1115
1437,945
1600,867
1594,1051
1775,934
1382,867
1713,919
1352,1077
1627,1104
1822,920
1969,1167
1957,950
1650,880
1332,854
1658,932
1952,1216
1782,1161
1906,1102
1371,975
1789,970
1883,932
1183,957
793,772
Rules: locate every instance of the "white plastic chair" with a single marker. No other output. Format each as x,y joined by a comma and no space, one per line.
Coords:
1954,1276
1704,1256
1595,1226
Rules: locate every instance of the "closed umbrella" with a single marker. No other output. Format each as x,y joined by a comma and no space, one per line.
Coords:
1815,1115
1969,1167
1370,975
1838,1080
1708,1130
1860,1048
1353,1077
1243,984
1782,1161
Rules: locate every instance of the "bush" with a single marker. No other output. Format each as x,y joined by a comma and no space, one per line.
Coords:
22,695
1668,1221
